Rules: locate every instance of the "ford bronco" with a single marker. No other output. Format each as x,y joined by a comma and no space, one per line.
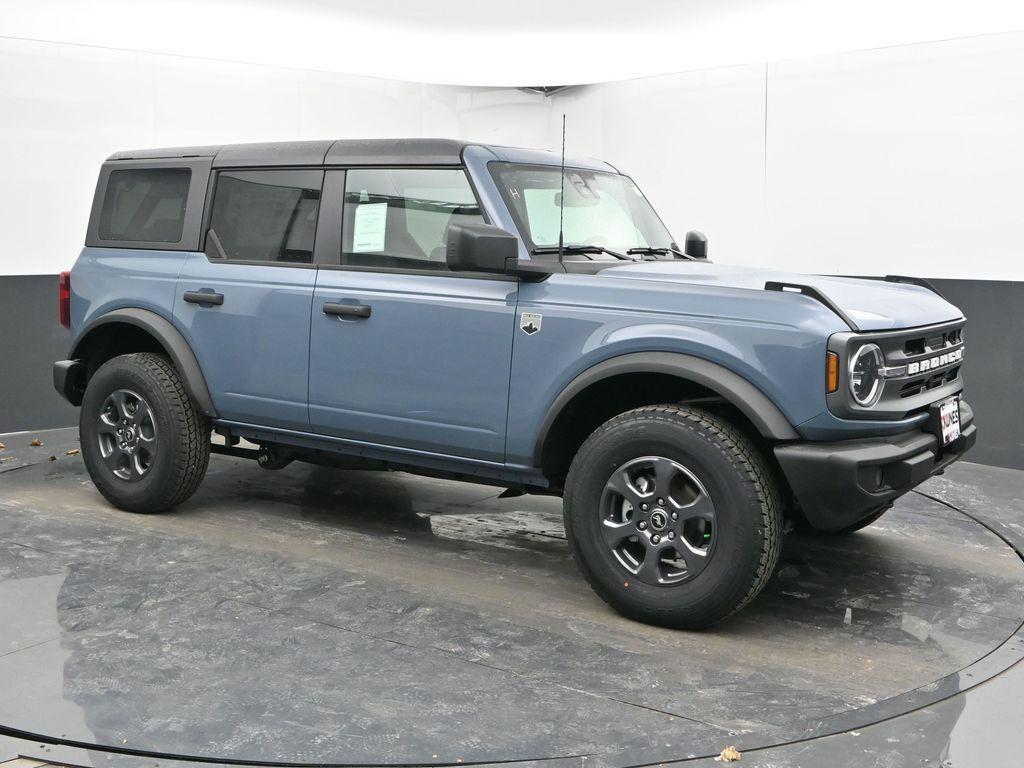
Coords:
502,316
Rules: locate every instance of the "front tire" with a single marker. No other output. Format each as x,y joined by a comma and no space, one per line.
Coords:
145,444
673,516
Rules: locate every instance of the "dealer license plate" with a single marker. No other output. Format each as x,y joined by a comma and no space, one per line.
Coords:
949,419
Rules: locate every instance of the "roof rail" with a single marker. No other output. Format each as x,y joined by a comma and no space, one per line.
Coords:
815,294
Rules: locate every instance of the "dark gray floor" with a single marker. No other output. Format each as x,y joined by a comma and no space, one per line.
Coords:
320,616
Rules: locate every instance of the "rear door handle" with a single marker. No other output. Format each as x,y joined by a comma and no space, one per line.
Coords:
347,310
204,297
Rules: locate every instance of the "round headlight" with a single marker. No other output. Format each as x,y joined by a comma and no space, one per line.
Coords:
865,383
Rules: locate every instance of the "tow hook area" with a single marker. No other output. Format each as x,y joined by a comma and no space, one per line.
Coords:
274,456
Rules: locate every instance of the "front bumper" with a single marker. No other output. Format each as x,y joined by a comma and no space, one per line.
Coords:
838,484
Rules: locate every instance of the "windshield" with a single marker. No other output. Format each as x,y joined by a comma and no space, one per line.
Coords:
599,208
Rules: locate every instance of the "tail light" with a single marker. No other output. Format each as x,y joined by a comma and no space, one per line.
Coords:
64,299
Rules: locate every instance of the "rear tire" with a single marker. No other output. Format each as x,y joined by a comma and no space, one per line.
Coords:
706,488
145,444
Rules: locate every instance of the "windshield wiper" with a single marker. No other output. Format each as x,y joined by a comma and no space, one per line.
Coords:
583,249
648,251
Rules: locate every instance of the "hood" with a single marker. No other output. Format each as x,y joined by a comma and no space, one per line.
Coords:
874,305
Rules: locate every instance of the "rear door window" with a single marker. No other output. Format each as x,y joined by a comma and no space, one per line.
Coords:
266,215
145,205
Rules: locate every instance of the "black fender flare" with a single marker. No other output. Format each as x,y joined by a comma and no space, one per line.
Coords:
169,338
751,401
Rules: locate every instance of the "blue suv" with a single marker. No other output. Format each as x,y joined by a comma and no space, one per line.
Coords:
501,316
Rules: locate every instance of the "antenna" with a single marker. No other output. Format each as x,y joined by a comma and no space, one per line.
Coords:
561,195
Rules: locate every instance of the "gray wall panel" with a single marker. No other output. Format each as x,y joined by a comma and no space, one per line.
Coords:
994,365
32,339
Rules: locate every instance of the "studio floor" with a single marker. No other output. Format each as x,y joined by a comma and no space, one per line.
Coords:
312,615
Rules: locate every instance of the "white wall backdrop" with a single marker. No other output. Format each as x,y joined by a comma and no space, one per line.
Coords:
694,142
902,160
905,160
533,42
65,108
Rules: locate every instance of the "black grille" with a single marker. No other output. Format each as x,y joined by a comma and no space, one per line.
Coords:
920,345
932,382
916,376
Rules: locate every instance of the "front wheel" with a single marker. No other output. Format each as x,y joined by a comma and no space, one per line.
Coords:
145,444
673,516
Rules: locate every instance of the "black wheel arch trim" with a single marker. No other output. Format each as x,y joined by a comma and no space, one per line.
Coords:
738,391
168,337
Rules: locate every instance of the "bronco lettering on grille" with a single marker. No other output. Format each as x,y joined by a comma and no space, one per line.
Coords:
933,363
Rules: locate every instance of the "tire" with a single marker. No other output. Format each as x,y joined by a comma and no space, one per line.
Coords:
727,505
160,456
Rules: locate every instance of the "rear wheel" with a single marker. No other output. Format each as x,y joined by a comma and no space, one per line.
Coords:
673,516
144,443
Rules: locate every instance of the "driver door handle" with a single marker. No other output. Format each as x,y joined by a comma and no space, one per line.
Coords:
204,297
347,310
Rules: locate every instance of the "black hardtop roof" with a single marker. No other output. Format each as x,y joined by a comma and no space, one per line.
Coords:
354,152
344,151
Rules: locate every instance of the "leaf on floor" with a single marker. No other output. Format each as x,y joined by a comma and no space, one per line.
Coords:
36,442
729,755
72,452
2,446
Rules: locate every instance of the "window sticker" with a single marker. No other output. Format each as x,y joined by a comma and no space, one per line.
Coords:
582,186
368,229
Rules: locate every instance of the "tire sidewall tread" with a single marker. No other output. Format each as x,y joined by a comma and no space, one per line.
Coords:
741,486
183,450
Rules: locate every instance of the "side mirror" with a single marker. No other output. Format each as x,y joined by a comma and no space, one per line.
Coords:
696,245
481,248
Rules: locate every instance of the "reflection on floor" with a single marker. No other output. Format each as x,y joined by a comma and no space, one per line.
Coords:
325,616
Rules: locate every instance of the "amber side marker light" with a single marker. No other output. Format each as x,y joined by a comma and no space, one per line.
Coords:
832,372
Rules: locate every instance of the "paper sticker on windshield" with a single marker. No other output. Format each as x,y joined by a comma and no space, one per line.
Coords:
582,187
530,323
368,228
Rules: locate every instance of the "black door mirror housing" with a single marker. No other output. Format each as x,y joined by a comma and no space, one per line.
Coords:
696,245
486,248
481,248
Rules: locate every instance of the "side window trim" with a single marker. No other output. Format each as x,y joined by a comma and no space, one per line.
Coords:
327,248
192,226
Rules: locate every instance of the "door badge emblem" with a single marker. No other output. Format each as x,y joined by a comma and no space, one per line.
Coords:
529,322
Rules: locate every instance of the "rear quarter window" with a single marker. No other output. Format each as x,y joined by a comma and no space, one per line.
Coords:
145,205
